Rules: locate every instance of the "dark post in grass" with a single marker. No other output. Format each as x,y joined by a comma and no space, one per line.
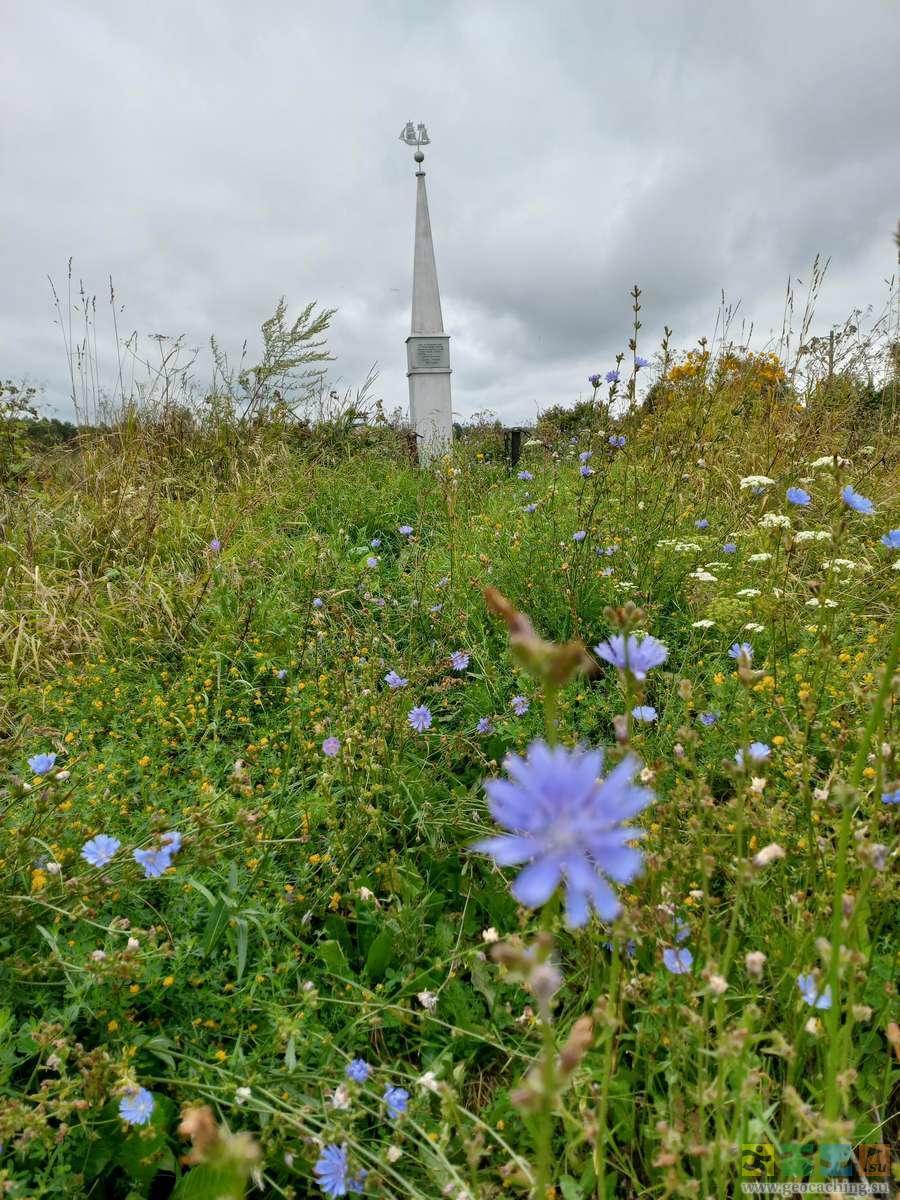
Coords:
512,445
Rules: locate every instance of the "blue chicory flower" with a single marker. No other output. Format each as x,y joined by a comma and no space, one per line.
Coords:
358,1070
809,990
702,523
395,681
611,376
708,718
331,747
629,654
42,764
419,718
332,1172
136,1106
640,361
100,850
484,725
758,752
729,548
567,824
525,476
796,495
579,535
459,660
741,650
891,539
154,862
644,712
396,1099
520,705
858,503
677,959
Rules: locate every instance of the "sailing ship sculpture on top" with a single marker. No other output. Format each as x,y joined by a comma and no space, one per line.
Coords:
427,347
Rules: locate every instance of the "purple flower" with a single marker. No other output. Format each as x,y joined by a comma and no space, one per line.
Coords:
729,548
611,376
857,502
594,380
100,850
42,764
741,650
520,705
372,562
419,718
136,1106
282,674
395,681
215,545
375,543
617,440
406,530
644,712
631,655
525,476
565,823
708,718
798,496
586,472
757,752
358,1070
891,797
529,508
459,660
585,456
330,747
891,539
702,523
396,1100
318,602
677,960
640,361
484,725
809,990
579,535
171,842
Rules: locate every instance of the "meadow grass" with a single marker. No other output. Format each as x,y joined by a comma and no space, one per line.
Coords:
190,614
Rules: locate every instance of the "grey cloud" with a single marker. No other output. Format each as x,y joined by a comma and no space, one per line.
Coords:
213,157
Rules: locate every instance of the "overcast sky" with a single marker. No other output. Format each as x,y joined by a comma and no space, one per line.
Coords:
212,156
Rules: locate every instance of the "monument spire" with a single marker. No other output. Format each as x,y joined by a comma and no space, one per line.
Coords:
427,347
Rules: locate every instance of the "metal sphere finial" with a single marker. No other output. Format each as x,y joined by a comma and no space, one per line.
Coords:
415,135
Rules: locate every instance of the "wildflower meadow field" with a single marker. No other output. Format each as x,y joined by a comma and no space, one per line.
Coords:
477,830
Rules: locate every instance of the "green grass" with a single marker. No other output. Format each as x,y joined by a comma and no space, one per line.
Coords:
316,901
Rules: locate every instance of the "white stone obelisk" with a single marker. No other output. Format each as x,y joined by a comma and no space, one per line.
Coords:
427,347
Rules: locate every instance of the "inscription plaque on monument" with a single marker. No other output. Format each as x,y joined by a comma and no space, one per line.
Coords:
432,354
